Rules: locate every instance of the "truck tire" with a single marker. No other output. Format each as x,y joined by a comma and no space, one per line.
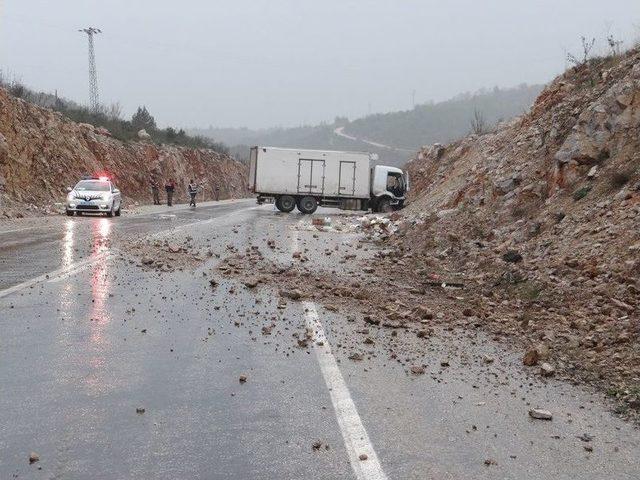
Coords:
286,203
399,206
384,205
307,205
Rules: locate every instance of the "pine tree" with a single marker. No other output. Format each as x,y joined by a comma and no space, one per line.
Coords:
142,119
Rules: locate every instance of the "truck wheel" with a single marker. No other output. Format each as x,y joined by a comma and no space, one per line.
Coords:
307,205
286,203
399,206
384,205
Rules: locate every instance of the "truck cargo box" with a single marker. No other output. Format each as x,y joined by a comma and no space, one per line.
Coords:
278,171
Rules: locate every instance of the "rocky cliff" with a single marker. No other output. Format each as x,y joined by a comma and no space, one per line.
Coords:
42,152
540,222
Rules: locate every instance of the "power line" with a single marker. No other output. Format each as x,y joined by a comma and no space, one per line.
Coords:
94,96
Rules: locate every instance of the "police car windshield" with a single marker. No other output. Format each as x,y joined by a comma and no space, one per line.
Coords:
93,186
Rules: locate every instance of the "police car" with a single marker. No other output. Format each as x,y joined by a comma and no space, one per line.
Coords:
94,195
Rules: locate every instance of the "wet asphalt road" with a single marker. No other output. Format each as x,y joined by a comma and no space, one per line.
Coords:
80,351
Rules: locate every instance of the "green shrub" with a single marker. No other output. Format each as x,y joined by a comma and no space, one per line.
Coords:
581,193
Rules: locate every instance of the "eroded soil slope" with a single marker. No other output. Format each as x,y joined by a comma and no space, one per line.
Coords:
42,152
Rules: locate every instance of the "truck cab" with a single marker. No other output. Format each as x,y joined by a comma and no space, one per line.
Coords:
389,187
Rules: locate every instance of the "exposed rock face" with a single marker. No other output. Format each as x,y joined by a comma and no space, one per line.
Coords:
561,187
41,153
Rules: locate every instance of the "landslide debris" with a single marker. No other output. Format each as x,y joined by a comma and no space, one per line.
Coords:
540,221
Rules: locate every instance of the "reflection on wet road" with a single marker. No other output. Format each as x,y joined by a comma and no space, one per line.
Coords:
37,251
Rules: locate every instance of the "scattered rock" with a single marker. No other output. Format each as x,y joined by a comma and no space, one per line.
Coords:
251,283
293,294
531,357
511,256
540,414
34,457
585,437
547,370
487,359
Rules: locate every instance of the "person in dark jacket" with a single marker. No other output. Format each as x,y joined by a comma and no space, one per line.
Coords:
155,190
193,190
170,187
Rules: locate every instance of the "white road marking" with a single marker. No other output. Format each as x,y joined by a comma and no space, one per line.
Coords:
354,434
105,256
55,275
2,232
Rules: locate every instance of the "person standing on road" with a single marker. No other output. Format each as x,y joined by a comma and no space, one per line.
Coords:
170,187
155,190
193,190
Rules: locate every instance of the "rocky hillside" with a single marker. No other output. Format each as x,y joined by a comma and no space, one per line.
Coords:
42,152
540,224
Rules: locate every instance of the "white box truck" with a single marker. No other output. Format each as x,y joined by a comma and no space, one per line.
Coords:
307,179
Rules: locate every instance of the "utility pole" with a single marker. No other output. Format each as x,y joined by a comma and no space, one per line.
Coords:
94,96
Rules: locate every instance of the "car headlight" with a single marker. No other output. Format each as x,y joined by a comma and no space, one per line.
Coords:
70,196
106,197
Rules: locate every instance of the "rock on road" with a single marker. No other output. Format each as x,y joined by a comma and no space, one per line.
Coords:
116,367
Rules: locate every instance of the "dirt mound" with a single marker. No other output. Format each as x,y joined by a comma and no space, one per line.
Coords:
42,152
540,221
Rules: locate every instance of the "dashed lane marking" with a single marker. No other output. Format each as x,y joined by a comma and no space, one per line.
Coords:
63,272
353,432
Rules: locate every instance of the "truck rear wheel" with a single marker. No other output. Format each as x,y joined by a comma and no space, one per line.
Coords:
286,203
307,205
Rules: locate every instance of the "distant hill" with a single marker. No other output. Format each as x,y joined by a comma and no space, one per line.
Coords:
446,121
402,132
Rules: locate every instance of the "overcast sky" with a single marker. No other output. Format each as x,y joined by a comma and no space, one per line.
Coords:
261,63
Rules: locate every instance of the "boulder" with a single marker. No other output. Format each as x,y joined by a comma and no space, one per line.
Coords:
143,135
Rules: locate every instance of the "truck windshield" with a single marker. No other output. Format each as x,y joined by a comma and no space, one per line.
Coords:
93,186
